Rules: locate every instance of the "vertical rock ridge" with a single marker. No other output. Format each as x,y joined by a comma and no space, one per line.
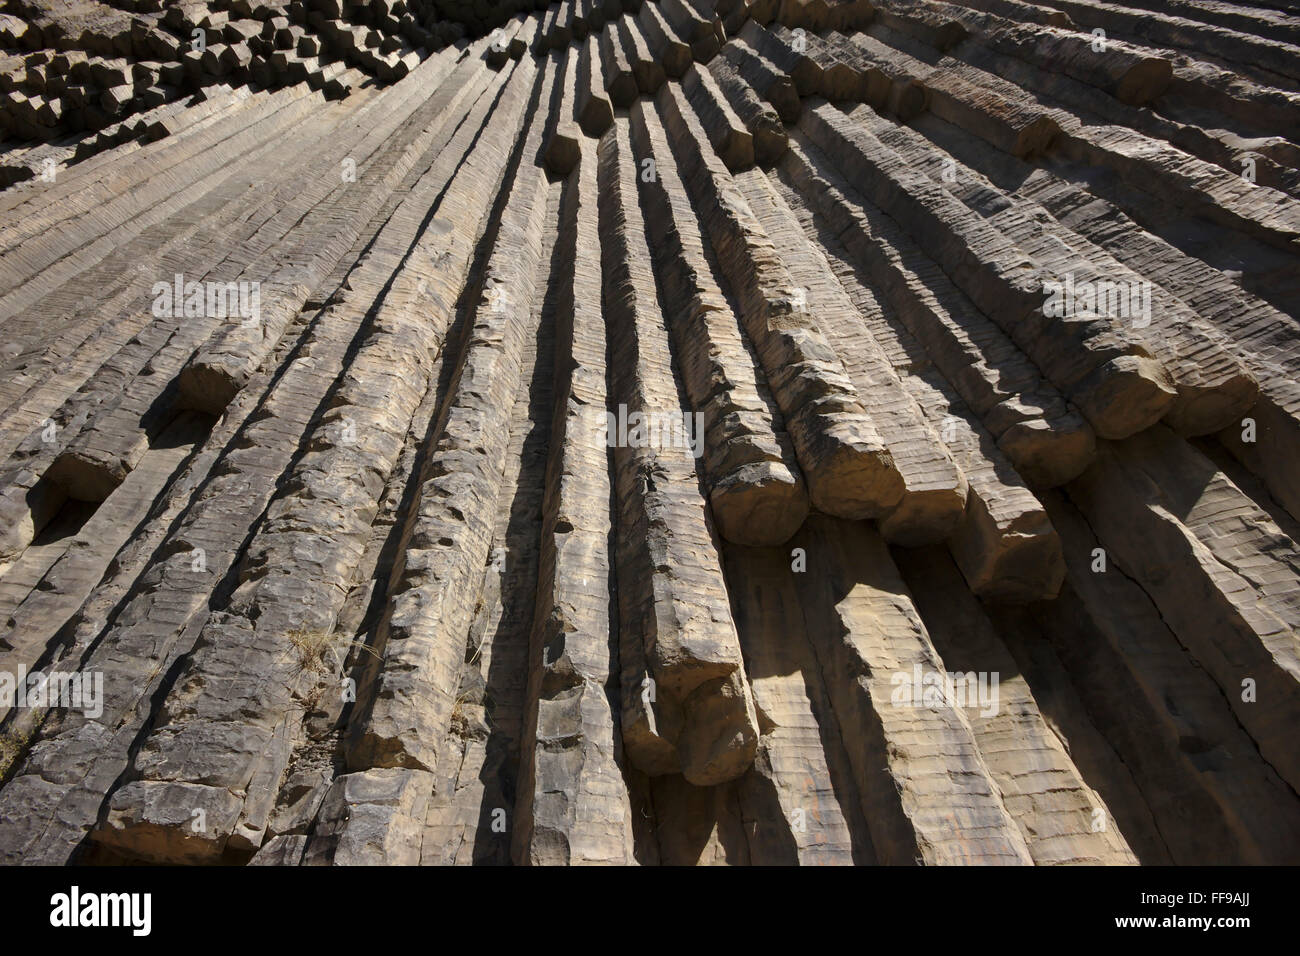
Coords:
690,432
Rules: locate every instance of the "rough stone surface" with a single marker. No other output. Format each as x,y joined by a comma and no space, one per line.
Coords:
676,432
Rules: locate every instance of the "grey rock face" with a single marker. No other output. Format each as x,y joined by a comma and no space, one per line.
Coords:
815,431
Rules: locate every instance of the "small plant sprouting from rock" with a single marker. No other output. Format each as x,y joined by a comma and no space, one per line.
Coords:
317,653
12,746
312,648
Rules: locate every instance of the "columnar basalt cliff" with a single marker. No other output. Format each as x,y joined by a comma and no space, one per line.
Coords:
664,432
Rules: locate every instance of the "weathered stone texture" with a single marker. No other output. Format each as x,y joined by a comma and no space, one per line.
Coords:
760,432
